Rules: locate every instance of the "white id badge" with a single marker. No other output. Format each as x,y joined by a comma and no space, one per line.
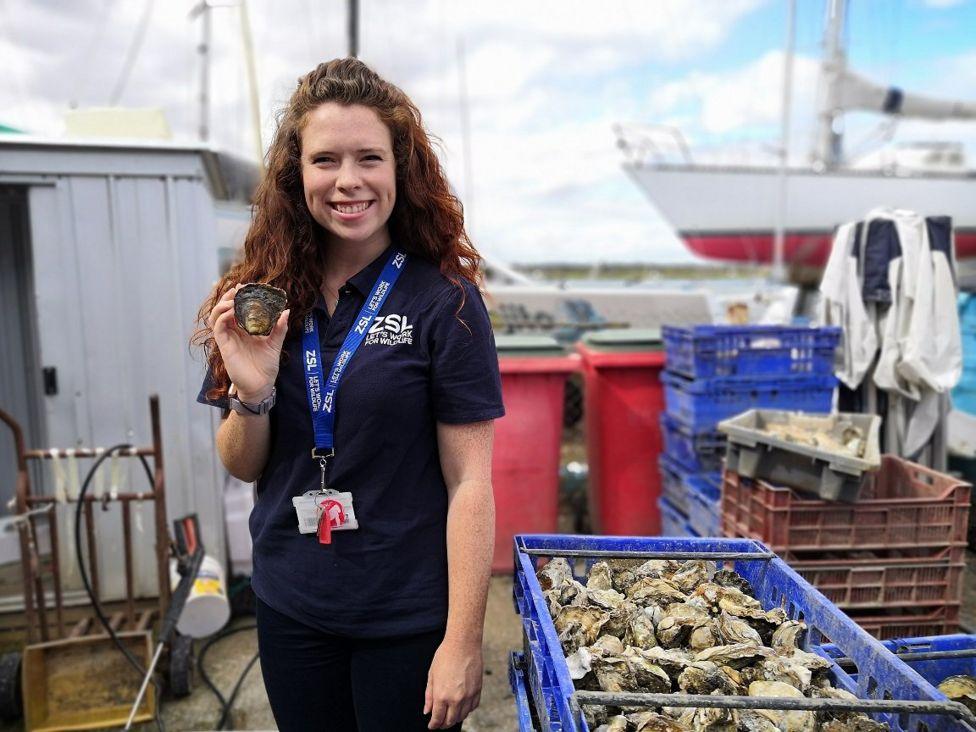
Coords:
309,507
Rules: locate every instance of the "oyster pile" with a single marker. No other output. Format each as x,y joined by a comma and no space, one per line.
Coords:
664,626
257,307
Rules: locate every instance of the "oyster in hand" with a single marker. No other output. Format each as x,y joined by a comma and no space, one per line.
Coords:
257,307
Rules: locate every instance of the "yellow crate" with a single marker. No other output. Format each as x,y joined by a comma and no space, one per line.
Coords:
85,683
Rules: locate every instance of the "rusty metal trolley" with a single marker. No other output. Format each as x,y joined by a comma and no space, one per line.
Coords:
55,640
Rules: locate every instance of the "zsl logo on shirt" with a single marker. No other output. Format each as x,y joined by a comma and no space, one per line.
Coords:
390,330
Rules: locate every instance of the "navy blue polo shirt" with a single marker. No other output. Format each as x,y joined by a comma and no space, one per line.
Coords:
422,362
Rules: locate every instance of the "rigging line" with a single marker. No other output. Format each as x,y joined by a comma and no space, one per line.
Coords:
132,54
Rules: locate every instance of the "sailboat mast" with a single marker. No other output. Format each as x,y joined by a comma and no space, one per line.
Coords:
829,150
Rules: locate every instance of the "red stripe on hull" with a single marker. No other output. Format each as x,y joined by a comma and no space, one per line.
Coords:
808,249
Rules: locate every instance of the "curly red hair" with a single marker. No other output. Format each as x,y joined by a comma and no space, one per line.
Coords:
283,246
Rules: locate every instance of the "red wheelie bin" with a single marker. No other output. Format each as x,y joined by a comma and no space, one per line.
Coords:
525,460
623,401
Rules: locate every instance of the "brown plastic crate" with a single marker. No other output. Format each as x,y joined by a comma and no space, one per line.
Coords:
876,579
903,505
923,621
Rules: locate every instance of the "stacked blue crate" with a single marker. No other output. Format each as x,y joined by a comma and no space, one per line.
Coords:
715,372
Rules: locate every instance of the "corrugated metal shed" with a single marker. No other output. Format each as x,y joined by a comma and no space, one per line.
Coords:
122,242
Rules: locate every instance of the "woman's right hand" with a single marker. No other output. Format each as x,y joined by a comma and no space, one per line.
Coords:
251,361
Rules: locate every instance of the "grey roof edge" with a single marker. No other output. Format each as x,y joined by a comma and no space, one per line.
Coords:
229,176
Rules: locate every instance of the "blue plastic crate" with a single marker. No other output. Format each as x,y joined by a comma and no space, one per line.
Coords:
697,452
703,351
702,403
704,503
880,674
673,522
672,483
519,684
934,671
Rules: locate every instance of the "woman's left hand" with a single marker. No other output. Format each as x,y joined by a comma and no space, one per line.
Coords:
453,683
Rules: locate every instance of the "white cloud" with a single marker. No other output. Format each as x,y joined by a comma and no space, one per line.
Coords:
742,99
943,3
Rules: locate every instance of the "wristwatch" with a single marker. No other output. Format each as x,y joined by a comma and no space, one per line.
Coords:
250,410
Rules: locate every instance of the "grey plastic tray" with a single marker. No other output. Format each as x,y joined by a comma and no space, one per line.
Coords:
760,446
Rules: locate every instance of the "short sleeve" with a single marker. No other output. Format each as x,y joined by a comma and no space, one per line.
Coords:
465,383
208,384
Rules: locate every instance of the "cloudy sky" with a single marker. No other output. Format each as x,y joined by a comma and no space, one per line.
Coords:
545,81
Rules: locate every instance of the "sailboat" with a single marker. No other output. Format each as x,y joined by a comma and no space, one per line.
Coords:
740,219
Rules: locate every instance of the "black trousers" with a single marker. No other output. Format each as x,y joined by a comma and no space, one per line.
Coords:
318,682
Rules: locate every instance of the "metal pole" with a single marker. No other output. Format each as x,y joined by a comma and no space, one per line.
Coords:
464,110
779,270
252,83
204,49
353,9
829,139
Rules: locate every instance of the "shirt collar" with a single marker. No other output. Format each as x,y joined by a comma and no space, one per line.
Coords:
365,278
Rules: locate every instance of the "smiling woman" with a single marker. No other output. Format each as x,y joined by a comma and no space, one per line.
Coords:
365,416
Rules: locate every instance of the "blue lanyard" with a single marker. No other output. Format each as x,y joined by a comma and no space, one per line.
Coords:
322,403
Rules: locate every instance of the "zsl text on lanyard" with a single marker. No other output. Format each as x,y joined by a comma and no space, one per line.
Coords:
322,510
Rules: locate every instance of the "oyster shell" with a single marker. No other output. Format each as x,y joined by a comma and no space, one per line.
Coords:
579,626
608,645
616,723
554,573
579,662
692,574
731,600
729,578
677,623
257,307
856,722
749,720
734,630
614,673
596,715
649,676
655,590
736,655
788,636
640,630
712,720
789,721
704,636
788,671
606,599
705,677
619,621
672,662
654,722
599,577
960,689
622,572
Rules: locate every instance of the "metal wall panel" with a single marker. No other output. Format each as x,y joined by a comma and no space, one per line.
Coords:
122,263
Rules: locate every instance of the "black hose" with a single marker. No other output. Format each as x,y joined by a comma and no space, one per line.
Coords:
225,704
133,661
